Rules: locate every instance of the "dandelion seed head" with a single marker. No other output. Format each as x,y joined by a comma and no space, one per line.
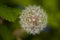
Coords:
33,19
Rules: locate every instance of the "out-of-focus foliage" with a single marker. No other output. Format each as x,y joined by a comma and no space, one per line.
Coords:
9,12
22,2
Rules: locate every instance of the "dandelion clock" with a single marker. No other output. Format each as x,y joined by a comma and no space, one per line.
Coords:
33,19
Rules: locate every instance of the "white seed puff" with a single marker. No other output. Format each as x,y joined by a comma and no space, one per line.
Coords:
33,19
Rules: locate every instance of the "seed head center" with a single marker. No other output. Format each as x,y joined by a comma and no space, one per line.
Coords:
33,19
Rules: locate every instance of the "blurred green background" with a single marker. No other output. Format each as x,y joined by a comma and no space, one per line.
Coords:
9,21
